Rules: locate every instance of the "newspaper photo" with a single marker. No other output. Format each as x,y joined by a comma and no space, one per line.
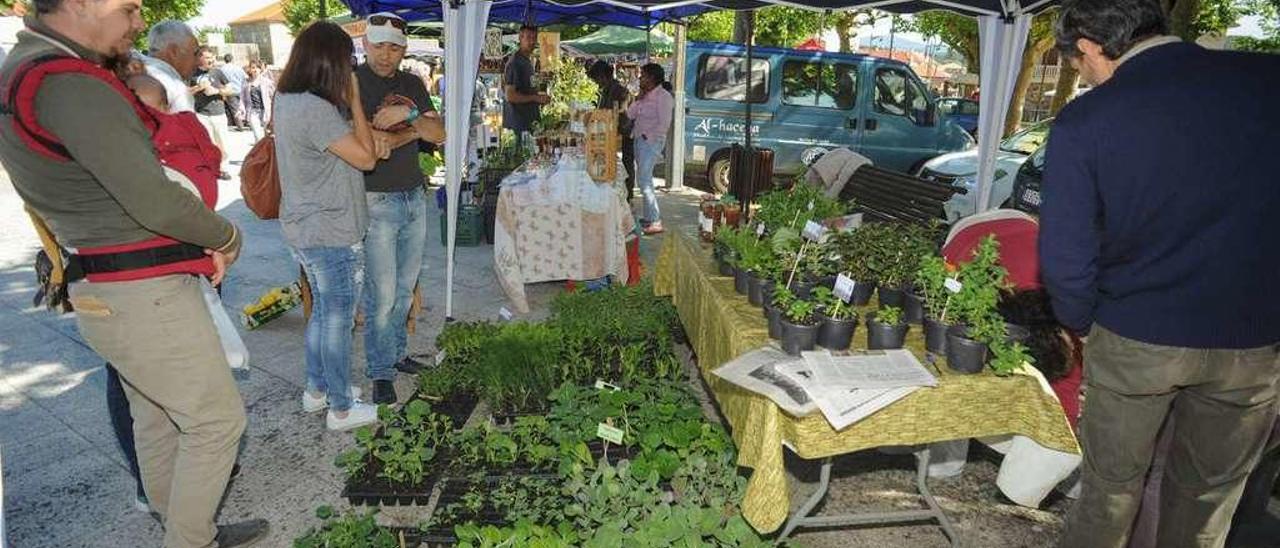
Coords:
873,369
841,405
757,371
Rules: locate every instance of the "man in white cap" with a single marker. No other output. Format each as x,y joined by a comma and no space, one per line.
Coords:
397,233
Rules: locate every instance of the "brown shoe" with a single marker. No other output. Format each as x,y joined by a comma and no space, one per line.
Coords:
655,228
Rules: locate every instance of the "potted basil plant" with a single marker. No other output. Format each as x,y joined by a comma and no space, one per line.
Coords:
886,330
839,320
799,328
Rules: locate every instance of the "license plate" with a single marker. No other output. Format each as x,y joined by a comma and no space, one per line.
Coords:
1031,196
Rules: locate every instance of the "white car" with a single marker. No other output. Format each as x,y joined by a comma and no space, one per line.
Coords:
961,169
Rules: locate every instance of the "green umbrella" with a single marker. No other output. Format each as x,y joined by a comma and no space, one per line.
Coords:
615,40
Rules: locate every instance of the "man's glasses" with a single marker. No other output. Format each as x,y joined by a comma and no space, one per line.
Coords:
380,20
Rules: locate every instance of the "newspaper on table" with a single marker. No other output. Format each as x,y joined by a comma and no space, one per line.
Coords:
757,371
845,389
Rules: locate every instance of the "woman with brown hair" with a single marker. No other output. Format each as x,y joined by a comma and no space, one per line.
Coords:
256,97
323,142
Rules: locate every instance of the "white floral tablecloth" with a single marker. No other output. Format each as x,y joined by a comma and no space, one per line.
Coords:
558,224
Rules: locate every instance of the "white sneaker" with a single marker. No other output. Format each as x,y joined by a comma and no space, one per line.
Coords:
311,404
359,415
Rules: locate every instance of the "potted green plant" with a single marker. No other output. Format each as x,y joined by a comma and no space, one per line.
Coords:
755,259
799,328
775,306
852,248
839,320
886,330
723,251
982,279
931,288
732,210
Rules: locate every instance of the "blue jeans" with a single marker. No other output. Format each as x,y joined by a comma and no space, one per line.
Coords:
393,250
648,151
335,275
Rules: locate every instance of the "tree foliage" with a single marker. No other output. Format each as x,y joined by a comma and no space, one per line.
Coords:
958,32
712,26
846,24
299,13
775,26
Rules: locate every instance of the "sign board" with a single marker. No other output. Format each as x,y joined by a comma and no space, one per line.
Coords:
548,50
492,44
814,231
844,287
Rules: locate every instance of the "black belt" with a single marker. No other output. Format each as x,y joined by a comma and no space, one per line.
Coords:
135,260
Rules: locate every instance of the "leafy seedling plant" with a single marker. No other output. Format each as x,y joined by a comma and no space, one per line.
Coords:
800,312
352,530
931,280
834,307
889,315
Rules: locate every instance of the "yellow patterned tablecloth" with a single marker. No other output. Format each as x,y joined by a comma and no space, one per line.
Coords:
722,325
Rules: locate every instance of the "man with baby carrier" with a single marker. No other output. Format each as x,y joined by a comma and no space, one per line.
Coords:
142,243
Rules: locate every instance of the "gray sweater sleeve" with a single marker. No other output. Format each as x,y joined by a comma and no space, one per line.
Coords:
103,134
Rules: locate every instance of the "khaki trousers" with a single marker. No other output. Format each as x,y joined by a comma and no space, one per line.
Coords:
187,413
1223,403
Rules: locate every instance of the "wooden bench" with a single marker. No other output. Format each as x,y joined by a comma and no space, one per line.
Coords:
886,195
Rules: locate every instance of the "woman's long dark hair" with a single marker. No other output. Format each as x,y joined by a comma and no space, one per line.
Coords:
1055,354
320,64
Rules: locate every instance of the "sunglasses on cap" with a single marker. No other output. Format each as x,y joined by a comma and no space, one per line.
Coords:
380,20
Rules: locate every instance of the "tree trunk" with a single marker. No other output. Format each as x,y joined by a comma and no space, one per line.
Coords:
1030,58
740,27
844,30
1182,18
1068,80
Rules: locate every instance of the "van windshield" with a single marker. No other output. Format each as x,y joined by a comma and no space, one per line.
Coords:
1028,140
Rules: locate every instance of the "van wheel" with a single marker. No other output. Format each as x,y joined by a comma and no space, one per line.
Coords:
718,174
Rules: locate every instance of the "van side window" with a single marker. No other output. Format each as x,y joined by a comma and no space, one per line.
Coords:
724,78
822,85
900,95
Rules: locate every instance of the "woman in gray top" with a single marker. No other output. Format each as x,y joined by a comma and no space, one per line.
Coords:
323,142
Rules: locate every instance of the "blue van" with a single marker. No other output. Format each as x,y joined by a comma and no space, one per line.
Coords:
805,103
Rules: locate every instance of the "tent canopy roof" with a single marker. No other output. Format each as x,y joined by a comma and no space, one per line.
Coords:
615,40
644,13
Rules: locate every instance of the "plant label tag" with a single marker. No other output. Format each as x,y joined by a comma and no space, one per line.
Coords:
759,229
814,231
609,433
844,287
953,285
440,357
505,314
601,385
810,205
577,126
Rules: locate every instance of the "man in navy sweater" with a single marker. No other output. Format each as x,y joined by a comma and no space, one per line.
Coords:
1158,240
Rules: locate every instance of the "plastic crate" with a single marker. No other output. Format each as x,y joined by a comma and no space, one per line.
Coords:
470,227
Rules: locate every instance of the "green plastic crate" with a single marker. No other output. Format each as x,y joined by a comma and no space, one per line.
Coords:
470,227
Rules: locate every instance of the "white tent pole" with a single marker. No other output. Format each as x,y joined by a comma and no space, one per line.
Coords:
676,181
464,24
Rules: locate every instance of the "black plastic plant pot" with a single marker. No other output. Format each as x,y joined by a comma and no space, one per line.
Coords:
802,289
755,289
774,315
892,297
935,336
913,309
965,355
862,293
766,292
836,334
828,282
740,281
726,269
882,336
797,338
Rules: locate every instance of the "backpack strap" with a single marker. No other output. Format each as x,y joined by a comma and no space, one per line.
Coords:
18,99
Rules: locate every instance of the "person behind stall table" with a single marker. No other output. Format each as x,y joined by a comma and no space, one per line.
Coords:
397,236
652,112
236,77
614,95
323,141
103,196
1159,244
523,102
212,88
255,99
